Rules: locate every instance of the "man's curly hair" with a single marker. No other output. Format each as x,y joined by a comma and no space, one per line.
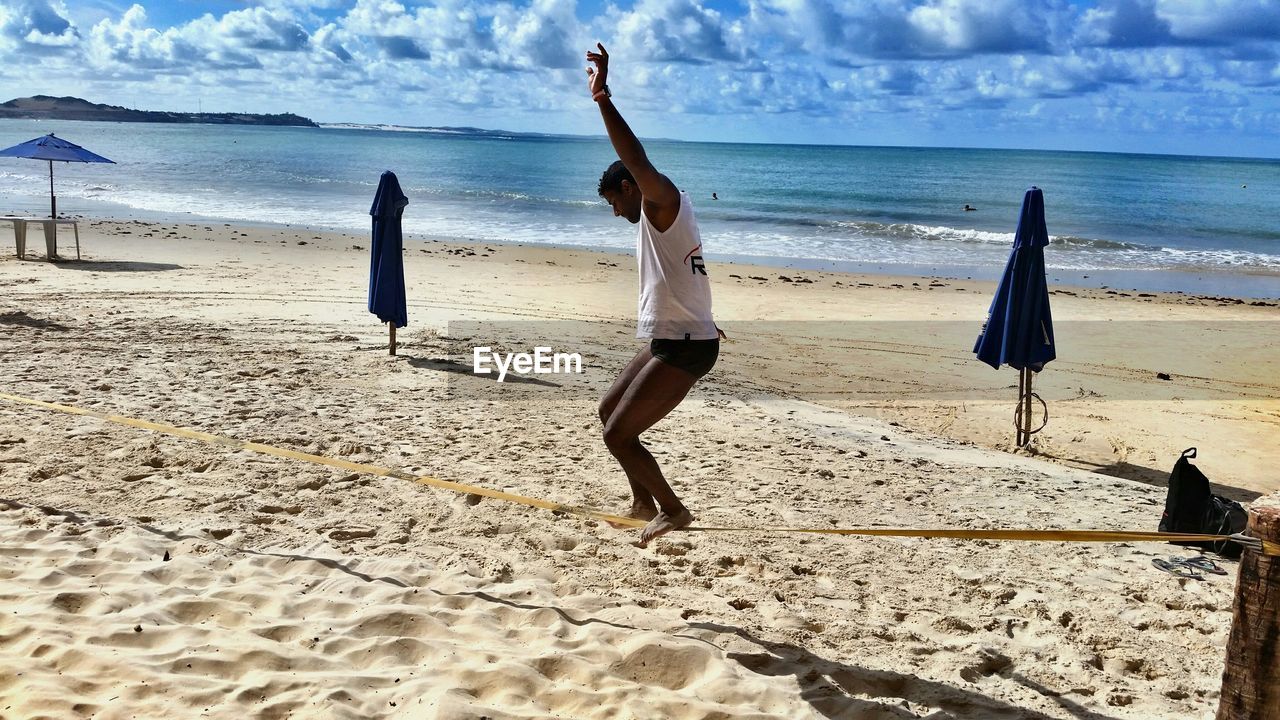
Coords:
611,180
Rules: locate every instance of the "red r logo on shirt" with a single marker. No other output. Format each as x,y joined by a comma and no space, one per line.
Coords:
695,261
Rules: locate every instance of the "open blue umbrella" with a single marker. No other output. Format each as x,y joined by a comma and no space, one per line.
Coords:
1019,327
52,148
386,271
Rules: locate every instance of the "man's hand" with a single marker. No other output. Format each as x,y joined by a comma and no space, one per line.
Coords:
660,196
597,76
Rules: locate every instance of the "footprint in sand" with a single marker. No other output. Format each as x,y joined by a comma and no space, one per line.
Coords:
989,663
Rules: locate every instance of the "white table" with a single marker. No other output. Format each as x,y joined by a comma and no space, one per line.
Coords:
19,232
50,227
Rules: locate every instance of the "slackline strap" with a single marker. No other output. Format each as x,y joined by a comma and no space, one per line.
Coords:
1270,548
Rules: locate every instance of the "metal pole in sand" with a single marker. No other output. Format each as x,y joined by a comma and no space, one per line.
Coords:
1019,414
1026,408
392,325
1251,680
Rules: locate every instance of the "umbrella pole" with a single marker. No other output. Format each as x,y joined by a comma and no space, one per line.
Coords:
392,325
1022,383
53,200
1026,408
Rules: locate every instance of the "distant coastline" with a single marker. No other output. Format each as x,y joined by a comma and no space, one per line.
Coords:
42,107
461,131
475,132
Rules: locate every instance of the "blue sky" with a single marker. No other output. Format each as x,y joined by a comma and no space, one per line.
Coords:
1166,76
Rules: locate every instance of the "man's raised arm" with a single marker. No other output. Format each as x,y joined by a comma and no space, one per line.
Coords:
656,187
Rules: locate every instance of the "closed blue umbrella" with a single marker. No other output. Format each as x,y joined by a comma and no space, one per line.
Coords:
52,148
386,271
1019,327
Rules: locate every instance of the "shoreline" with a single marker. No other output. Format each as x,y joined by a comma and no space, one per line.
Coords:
1204,284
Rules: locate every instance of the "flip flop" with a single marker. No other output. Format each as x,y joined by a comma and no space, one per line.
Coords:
1201,563
1176,569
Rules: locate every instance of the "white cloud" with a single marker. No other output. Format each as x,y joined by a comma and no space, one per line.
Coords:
329,39
130,44
236,41
1221,20
396,33
965,27
1250,74
673,31
539,37
892,79
1152,23
41,25
900,29
1124,23
469,34
256,28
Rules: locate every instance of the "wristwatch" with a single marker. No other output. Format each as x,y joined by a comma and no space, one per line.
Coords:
606,91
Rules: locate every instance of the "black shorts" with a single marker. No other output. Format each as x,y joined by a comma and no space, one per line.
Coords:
695,357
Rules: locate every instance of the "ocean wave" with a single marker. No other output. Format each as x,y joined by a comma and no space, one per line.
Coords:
1097,244
911,243
869,251
306,179
21,176
1235,258
390,128
936,233
490,195
98,190
942,233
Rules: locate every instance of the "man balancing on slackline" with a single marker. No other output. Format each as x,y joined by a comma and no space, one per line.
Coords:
675,313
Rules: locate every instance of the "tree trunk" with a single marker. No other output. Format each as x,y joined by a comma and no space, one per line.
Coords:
1251,680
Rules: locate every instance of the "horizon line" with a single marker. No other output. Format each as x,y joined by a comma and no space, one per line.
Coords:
461,129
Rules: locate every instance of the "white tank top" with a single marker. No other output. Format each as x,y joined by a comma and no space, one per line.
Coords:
675,292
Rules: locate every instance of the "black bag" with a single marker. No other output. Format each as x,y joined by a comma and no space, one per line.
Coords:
1191,508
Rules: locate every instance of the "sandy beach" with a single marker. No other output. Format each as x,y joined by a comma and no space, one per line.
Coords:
146,576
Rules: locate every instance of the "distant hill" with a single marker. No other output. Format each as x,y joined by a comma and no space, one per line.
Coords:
73,108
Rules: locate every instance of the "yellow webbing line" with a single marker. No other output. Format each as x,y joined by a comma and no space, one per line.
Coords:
1270,548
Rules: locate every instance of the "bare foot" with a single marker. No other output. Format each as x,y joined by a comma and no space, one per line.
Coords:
663,524
639,512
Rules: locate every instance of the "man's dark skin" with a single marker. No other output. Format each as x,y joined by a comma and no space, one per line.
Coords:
648,388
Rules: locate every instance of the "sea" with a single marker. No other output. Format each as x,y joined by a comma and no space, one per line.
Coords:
1179,223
